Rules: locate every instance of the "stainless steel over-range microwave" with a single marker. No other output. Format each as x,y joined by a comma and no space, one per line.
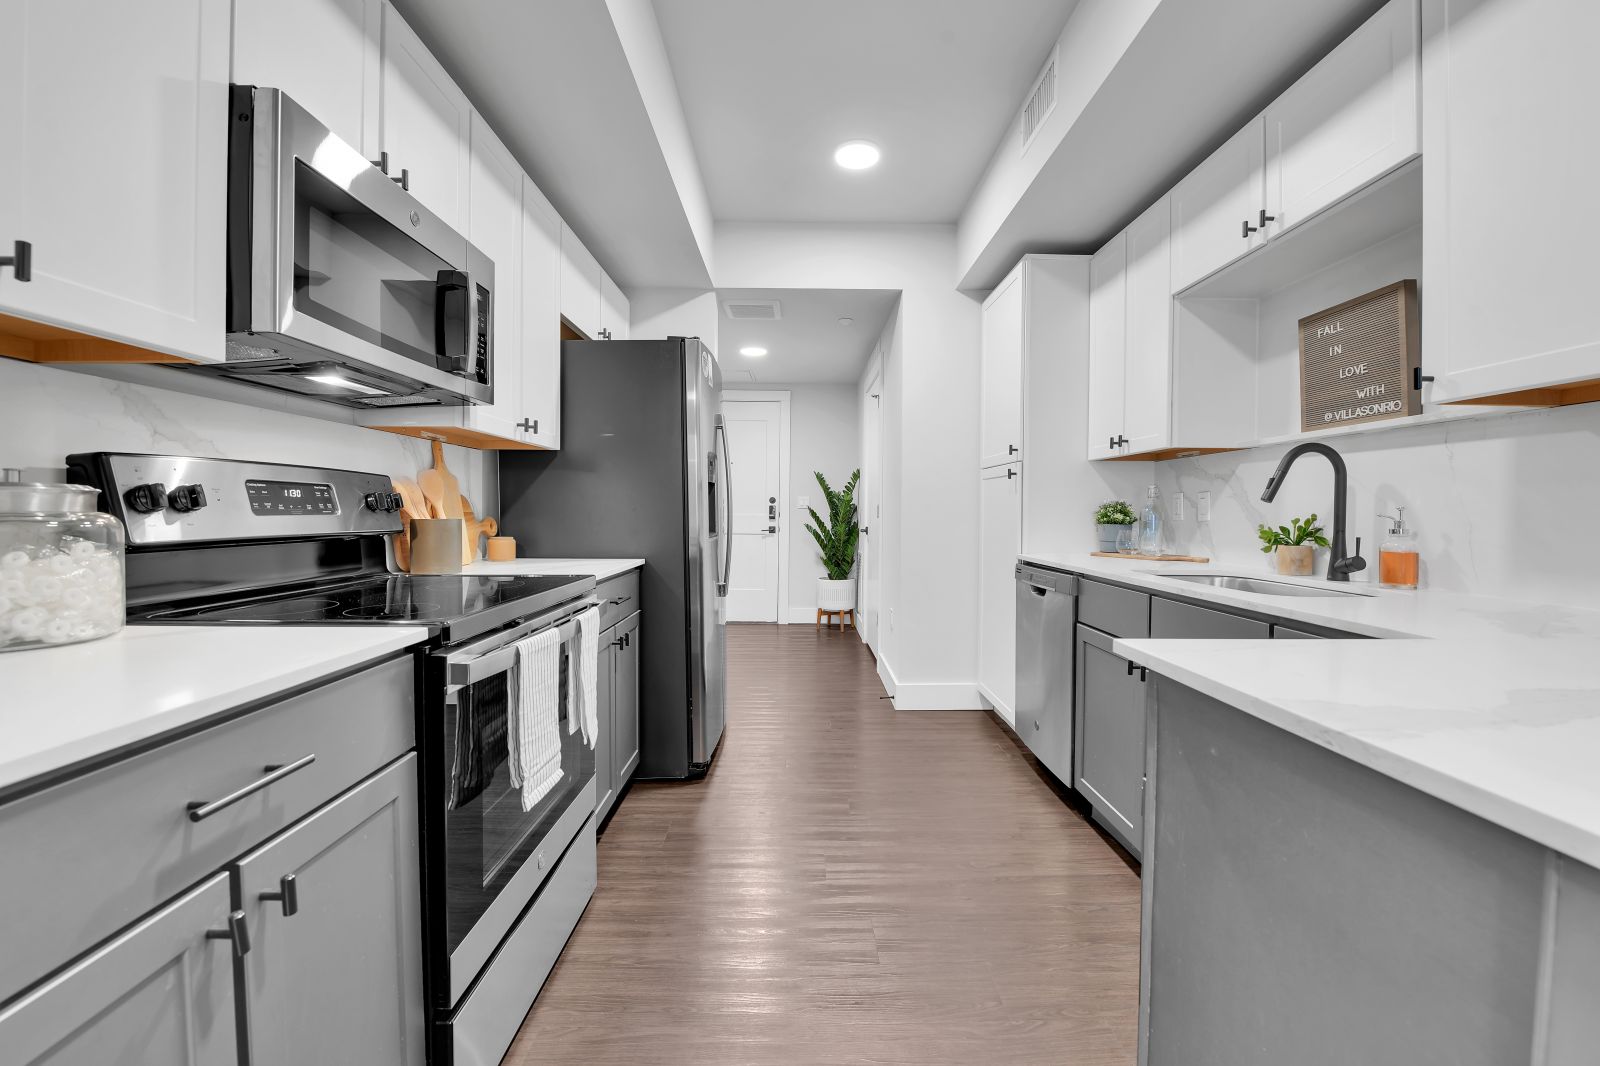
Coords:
341,284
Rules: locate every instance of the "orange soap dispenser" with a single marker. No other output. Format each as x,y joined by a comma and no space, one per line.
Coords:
1398,559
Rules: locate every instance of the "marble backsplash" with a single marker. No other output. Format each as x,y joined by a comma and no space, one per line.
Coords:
47,412
1503,505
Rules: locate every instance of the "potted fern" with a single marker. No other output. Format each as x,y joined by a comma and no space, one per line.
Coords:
1294,546
836,539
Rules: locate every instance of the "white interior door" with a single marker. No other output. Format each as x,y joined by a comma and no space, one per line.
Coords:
755,451
871,510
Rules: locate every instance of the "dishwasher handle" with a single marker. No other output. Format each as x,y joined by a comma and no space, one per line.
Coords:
1042,582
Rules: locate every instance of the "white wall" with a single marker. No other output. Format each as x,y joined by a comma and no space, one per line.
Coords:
47,413
657,313
1504,504
927,646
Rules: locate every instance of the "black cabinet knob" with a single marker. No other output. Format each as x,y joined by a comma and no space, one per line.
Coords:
187,498
146,499
20,261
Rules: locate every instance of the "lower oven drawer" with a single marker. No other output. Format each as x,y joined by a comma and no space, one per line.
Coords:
488,1019
119,841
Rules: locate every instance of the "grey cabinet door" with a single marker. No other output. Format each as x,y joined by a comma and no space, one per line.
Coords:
162,992
625,703
1172,620
1110,754
605,769
340,978
1283,632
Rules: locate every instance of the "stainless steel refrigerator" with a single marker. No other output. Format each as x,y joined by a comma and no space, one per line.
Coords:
643,473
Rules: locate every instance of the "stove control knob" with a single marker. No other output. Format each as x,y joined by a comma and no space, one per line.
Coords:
374,501
146,499
187,498
395,502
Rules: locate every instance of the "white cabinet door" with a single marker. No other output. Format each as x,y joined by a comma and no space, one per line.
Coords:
1108,311
114,122
613,310
999,541
162,992
1216,210
580,285
1001,428
1147,361
1351,119
495,227
427,122
541,320
1508,195
323,53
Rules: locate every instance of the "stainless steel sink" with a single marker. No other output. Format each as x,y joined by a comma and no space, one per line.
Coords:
1264,586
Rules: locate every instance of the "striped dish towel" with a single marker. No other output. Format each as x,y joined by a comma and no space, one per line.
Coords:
534,724
583,708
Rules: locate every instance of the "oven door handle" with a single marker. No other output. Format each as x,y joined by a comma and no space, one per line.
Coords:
498,654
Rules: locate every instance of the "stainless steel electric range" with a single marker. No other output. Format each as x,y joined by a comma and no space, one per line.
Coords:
219,542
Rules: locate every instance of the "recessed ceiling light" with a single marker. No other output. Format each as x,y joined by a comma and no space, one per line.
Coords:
753,352
856,155
847,321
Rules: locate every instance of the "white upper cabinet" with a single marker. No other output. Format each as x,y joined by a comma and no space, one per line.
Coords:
1510,221
1351,119
114,124
1108,321
1216,210
1147,362
540,420
580,284
323,53
427,123
613,310
495,227
1001,424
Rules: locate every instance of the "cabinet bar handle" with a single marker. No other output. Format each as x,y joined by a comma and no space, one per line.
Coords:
404,180
1246,228
619,601
1265,218
200,810
238,932
20,261
1144,674
382,162
1010,473
289,893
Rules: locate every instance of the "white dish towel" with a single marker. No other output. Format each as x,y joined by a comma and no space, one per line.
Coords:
533,728
583,710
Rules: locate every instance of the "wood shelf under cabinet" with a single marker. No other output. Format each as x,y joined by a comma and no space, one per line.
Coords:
464,438
1552,396
1163,454
36,342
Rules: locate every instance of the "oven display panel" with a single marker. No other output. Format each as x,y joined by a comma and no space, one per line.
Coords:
290,498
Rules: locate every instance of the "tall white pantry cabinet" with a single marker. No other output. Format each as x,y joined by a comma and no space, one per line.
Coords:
1033,371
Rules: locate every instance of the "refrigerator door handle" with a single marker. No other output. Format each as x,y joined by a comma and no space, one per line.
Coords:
727,509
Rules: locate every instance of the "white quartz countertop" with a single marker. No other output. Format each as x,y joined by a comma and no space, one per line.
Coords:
599,569
60,706
1430,613
1505,728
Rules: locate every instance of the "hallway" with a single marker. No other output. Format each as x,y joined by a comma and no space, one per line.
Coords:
850,884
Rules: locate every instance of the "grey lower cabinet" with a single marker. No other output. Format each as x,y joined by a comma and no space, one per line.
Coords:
161,992
333,908
1108,756
617,748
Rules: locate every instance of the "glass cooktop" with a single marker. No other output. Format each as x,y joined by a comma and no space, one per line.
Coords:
452,603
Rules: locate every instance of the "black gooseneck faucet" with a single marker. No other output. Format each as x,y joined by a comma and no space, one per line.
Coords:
1340,566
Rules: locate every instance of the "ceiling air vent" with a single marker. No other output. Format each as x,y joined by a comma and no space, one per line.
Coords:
752,310
1041,101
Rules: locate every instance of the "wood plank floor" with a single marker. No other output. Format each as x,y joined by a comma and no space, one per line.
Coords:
850,884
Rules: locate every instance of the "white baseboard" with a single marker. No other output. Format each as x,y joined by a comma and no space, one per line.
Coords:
926,696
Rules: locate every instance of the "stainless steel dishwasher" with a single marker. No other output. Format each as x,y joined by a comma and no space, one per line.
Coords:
1047,614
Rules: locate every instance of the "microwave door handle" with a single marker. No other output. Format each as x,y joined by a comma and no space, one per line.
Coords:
453,304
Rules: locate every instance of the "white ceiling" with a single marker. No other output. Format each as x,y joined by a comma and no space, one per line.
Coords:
807,345
770,89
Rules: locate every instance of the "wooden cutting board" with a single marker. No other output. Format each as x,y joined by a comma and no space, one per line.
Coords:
475,527
440,487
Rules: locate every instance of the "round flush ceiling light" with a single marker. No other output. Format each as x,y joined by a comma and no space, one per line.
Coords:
847,321
856,155
753,352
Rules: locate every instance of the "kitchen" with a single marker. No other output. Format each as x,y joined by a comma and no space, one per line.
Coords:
312,710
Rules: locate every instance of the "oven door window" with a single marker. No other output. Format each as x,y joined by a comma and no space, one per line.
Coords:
357,272
488,836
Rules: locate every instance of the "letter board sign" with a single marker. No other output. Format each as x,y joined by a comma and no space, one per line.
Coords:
1358,360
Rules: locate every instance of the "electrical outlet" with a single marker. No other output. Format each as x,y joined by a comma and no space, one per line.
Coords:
1178,506
1202,506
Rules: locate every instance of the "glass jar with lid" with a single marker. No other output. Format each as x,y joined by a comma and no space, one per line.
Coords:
61,567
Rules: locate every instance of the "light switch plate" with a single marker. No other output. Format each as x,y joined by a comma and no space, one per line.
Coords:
1178,504
803,504
1202,506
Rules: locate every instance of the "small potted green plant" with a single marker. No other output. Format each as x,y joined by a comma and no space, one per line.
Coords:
836,538
1111,518
1295,545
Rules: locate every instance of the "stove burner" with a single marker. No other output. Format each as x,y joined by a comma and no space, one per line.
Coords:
281,611
393,612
